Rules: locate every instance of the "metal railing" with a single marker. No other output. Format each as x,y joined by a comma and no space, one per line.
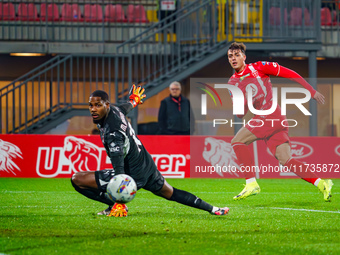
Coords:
60,85
183,42
247,20
174,43
291,21
28,99
73,21
200,28
330,23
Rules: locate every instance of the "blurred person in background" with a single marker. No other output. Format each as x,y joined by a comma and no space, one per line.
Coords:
175,112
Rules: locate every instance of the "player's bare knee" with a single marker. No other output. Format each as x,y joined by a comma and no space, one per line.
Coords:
167,194
283,153
77,178
282,157
166,191
163,193
282,162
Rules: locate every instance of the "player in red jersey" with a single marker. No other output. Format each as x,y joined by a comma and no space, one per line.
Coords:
256,76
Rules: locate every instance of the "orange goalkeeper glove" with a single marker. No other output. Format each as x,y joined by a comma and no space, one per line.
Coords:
136,95
118,210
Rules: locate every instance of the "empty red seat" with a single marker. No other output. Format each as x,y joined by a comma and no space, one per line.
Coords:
308,20
93,13
296,17
334,16
326,17
114,13
275,16
136,13
49,12
70,12
7,11
27,12
335,21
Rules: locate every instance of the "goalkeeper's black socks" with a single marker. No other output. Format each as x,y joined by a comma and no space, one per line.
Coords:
94,194
186,198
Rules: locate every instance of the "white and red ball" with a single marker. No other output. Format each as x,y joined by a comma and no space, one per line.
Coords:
122,188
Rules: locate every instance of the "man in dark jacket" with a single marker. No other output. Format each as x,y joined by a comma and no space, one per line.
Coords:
174,113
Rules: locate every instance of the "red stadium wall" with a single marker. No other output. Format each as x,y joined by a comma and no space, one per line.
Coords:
58,156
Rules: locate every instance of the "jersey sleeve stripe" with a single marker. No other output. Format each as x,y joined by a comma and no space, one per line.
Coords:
278,72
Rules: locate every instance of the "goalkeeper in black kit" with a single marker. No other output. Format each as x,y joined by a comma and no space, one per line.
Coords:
127,155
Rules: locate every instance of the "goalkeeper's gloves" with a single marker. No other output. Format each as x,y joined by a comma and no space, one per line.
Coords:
118,210
136,95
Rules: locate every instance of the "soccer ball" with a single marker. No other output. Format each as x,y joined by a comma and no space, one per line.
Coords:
122,188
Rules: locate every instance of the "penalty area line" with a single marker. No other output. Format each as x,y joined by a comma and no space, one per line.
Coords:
297,209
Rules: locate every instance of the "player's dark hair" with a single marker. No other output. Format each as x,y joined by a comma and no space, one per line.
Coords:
238,46
102,94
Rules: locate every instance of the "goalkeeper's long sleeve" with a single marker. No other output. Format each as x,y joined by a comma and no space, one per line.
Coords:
125,107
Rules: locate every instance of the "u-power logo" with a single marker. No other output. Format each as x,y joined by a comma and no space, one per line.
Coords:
238,104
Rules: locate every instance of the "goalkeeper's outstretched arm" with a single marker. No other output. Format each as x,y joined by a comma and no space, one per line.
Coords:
135,98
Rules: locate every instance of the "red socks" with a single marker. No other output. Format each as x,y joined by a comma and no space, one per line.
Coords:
301,170
245,159
246,162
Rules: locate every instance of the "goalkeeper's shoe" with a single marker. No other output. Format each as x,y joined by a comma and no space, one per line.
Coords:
118,210
325,187
106,211
250,189
221,211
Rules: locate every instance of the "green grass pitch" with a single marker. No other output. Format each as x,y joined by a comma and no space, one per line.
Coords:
289,216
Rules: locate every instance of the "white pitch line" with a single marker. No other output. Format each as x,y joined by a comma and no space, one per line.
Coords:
32,191
147,192
296,209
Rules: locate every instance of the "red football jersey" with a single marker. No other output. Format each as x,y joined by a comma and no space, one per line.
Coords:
257,76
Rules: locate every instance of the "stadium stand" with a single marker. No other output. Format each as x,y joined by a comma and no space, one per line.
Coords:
114,13
27,12
71,12
136,13
51,13
7,11
275,16
296,17
335,21
326,17
93,13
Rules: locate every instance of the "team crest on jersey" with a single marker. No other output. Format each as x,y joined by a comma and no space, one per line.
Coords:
255,73
123,127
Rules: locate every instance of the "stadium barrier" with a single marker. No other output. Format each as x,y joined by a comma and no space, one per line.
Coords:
59,156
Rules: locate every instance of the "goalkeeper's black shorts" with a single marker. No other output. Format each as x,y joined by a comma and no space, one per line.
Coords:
153,182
